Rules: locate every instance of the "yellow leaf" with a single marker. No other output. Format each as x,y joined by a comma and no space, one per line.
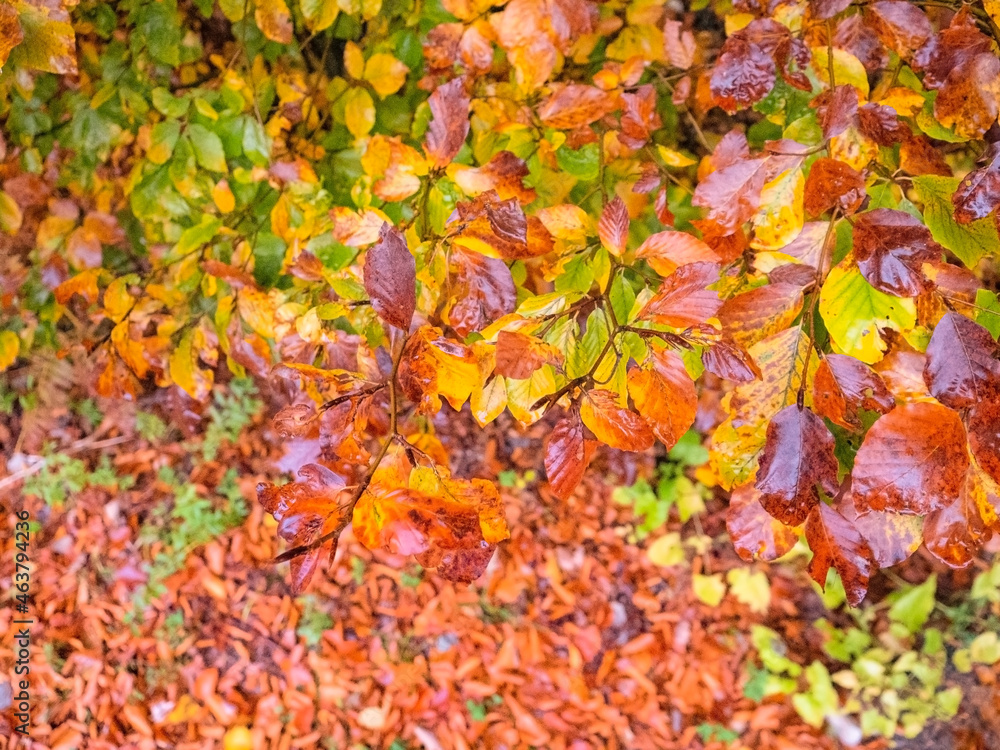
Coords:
674,158
319,14
780,217
10,345
117,299
257,310
184,370
667,550
354,60
359,112
274,20
709,589
385,73
10,214
854,310
223,196
750,588
846,69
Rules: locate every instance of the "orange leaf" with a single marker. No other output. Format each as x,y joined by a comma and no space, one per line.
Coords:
614,425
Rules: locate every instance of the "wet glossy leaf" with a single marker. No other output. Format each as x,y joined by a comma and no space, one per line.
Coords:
664,395
763,311
963,363
613,424
970,98
743,75
843,386
984,435
978,194
730,361
433,366
967,241
830,184
482,291
892,537
902,27
756,535
913,460
390,278
954,533
797,462
450,122
836,542
567,455
731,194
890,247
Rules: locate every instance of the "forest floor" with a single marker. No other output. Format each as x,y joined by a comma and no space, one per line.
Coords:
161,621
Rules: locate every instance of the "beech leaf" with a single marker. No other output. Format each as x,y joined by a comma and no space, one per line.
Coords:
756,535
614,425
836,542
567,455
391,277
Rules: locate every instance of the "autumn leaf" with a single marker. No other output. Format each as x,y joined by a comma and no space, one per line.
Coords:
743,75
665,251
913,460
613,226
567,455
890,247
902,27
683,300
798,460
970,98
433,366
954,533
830,184
664,395
519,355
984,435
755,534
614,425
761,312
732,194
844,386
574,106
978,194
892,537
482,291
504,173
449,124
963,363
305,511
390,278
730,361
835,542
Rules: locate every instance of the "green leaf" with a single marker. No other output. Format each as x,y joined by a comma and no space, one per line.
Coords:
989,314
583,163
585,350
985,648
709,589
162,140
268,257
854,310
915,605
256,144
821,699
194,237
970,242
750,587
207,148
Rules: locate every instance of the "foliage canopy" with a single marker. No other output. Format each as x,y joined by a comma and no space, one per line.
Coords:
533,206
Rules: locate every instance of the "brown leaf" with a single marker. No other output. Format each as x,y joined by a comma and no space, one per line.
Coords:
574,106
798,456
832,183
683,301
665,251
730,361
504,173
391,278
433,366
836,542
854,36
519,355
963,363
764,310
968,101
984,435
305,511
639,117
755,534
890,246
978,194
499,228
913,460
11,33
824,9
955,533
950,48
567,455
901,26
917,156
450,122
843,385
664,395
482,291
731,194
614,425
881,124
296,420
613,226
836,110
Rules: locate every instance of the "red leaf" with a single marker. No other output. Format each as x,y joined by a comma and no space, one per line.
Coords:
613,226
683,300
743,75
962,363
890,247
955,533
913,460
764,310
798,456
754,533
450,122
482,291
391,278
881,124
567,455
731,194
519,355
730,361
950,48
836,542
984,435
901,26
843,386
836,110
